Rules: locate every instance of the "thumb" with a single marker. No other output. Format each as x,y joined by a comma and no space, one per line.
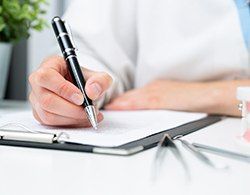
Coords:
97,83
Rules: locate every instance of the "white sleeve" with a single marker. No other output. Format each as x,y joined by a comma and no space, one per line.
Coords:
102,44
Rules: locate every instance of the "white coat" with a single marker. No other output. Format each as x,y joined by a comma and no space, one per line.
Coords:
138,41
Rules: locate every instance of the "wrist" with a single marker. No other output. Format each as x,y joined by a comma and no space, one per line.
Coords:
204,97
222,99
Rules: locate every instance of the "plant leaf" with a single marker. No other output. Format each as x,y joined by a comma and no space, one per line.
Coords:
18,17
2,24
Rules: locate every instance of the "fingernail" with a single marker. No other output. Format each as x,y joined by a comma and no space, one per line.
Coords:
77,98
96,88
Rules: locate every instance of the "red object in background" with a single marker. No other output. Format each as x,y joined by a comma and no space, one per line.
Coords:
246,135
248,106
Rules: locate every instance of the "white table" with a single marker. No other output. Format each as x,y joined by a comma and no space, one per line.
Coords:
37,171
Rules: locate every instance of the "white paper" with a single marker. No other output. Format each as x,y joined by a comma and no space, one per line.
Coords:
117,128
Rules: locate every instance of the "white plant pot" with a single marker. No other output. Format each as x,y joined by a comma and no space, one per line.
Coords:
5,53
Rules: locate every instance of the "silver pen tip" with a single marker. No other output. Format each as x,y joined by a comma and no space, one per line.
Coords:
94,126
92,116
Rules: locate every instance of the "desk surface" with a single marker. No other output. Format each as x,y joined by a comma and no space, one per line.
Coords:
36,171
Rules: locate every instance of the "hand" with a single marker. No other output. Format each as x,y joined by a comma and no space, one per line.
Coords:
56,101
164,94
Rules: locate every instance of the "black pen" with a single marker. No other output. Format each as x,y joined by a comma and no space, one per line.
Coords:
65,42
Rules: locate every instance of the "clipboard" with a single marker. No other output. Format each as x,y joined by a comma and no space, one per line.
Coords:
49,141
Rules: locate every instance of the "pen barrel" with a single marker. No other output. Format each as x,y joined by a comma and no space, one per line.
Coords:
58,25
77,78
63,37
69,55
66,46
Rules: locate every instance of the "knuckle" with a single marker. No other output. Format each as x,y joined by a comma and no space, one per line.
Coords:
107,77
50,59
63,89
35,115
31,78
47,118
41,76
30,97
53,62
45,101
32,100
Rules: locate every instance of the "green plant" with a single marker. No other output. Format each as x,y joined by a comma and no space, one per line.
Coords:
18,17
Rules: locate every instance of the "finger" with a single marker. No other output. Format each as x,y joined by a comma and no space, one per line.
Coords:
132,100
123,104
52,80
33,102
97,83
51,119
43,116
57,63
36,116
53,103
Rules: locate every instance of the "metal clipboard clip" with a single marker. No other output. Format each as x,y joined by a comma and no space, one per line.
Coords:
29,135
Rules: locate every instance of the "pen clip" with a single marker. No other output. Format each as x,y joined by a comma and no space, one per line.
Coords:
70,35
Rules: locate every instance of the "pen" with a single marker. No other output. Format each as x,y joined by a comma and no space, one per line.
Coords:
203,158
68,50
168,142
222,152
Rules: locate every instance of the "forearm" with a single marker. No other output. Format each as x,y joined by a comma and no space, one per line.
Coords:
219,97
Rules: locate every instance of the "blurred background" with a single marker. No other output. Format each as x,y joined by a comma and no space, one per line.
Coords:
28,54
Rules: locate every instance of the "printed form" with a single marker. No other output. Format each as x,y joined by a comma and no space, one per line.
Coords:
117,128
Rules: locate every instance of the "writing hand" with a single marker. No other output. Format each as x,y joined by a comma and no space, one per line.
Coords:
56,101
